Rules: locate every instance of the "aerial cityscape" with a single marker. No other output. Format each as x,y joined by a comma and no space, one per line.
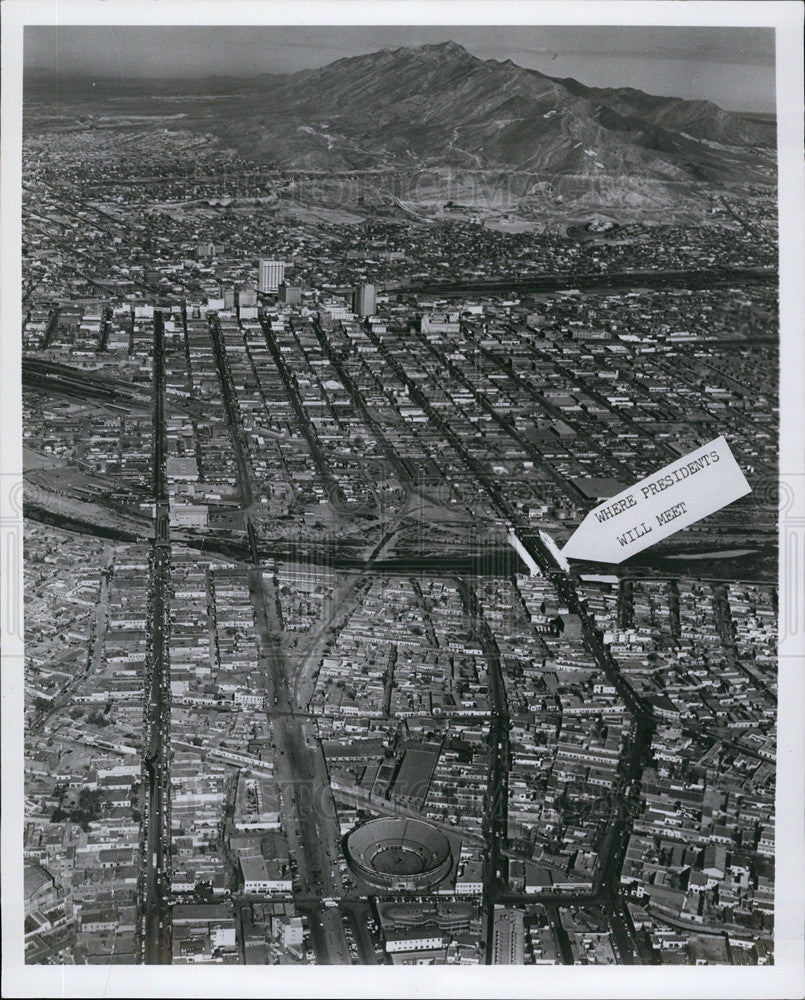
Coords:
322,370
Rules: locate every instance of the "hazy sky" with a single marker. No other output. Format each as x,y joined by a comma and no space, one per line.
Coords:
732,66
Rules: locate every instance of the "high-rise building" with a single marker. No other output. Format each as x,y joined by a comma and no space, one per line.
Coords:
290,294
270,275
364,300
508,941
247,303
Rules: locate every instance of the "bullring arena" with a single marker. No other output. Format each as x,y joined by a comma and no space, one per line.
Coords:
398,853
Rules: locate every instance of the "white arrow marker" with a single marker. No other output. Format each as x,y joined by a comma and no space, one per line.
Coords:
659,505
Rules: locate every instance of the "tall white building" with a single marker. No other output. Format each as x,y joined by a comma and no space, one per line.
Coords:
364,300
271,275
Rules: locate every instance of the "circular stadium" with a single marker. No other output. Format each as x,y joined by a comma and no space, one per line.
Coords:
397,853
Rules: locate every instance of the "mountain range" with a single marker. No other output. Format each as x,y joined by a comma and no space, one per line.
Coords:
439,103
438,107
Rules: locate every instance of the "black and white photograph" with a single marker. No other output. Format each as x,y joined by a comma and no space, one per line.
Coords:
403,499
